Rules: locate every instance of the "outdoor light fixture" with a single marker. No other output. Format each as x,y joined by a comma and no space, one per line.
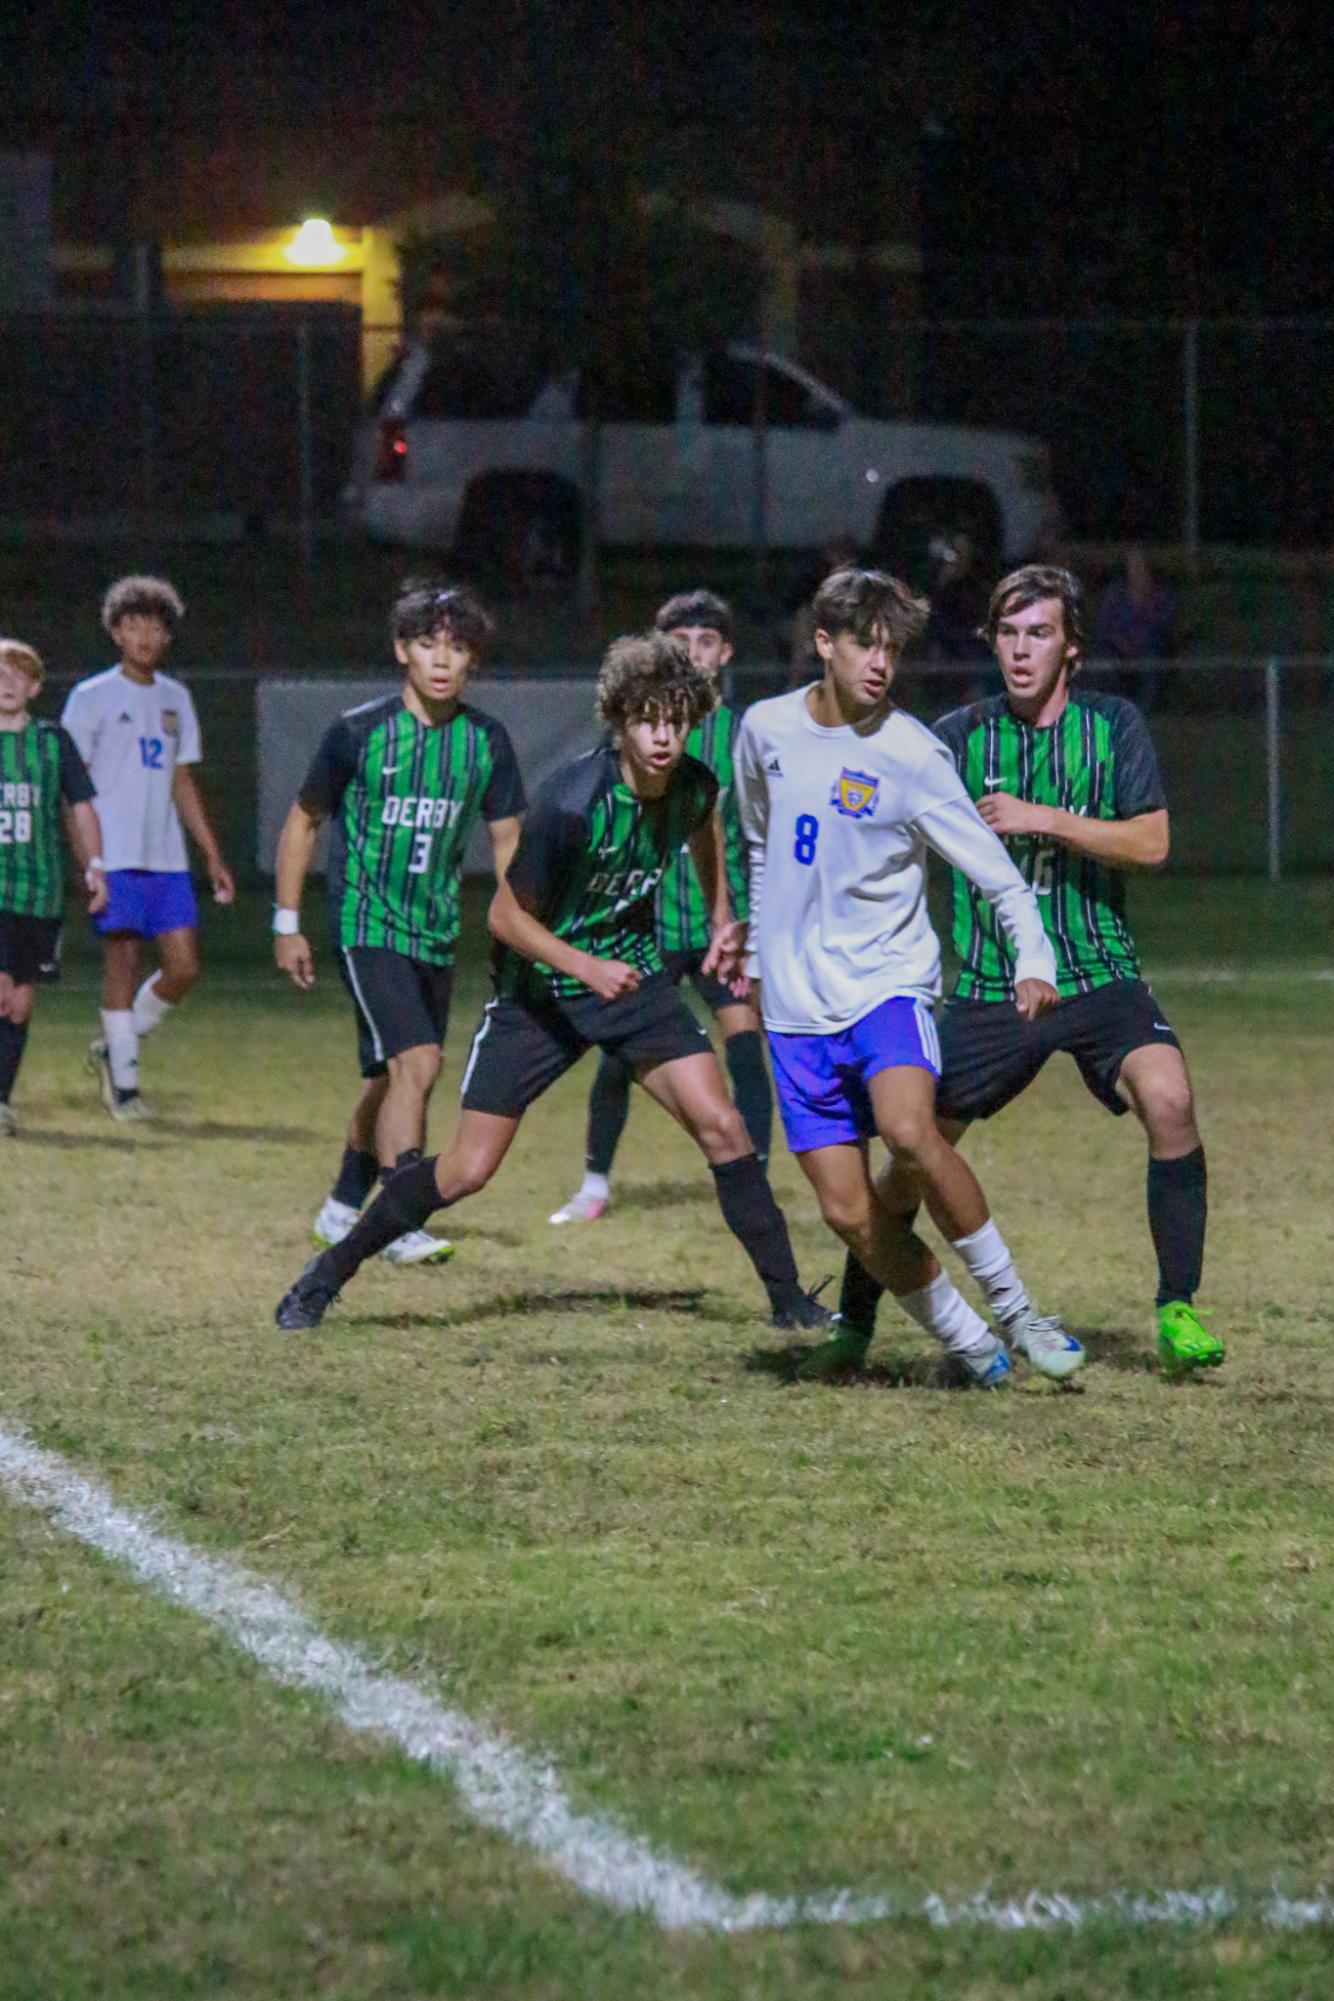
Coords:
315,244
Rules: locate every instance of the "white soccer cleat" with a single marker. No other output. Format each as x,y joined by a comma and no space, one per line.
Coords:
333,1222
131,1110
988,1365
581,1208
1041,1337
9,1125
417,1247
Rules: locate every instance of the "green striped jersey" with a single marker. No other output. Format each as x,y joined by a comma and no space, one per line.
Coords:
591,856
1097,759
39,767
407,795
684,923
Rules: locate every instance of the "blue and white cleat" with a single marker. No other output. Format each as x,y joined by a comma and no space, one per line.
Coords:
1042,1339
988,1366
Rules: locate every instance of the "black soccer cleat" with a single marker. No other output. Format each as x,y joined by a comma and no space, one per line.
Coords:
306,1303
803,1310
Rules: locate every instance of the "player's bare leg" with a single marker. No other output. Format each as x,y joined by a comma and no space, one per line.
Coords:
402,1123
887,1248
691,1088
901,1189
1155,1083
179,964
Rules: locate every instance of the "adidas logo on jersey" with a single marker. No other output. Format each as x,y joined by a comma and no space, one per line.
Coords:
774,764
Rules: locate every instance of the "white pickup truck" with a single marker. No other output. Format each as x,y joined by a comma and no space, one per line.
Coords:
473,452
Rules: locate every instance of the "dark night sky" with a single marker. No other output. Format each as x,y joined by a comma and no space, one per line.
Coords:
1149,157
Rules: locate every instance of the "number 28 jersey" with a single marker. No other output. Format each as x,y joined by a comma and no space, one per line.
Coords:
407,795
838,823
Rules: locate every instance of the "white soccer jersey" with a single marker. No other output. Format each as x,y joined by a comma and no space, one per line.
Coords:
837,823
132,736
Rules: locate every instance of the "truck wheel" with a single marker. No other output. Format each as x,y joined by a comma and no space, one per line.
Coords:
918,511
521,530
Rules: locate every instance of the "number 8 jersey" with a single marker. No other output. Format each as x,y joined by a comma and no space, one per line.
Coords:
837,825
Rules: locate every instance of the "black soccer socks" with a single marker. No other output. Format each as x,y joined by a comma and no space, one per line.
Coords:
404,1203
1178,1211
859,1297
750,1088
356,1178
608,1110
757,1222
13,1036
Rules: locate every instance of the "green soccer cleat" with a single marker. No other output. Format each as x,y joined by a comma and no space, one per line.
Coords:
1184,1342
844,1354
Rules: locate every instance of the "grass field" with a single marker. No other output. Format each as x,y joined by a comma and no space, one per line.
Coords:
889,1638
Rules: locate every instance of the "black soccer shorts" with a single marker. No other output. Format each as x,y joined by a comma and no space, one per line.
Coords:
989,1053
522,1046
29,947
400,1003
686,966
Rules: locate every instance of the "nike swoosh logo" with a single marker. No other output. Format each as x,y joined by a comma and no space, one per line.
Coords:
388,770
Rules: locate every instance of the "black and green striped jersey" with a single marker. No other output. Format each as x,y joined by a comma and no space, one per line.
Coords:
39,767
1097,759
683,920
589,860
407,795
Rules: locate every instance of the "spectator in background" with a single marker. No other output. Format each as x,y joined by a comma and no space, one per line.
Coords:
958,598
1136,622
804,663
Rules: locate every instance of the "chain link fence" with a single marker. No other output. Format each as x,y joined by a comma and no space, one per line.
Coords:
1244,747
1192,432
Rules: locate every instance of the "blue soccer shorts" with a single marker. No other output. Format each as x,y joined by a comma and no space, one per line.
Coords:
821,1080
148,901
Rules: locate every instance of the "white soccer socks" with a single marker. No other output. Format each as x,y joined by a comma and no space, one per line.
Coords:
149,1009
989,1263
943,1311
122,1047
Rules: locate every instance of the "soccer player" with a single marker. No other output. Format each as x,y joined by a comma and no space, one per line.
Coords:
138,734
1067,777
841,795
702,622
408,777
577,963
40,769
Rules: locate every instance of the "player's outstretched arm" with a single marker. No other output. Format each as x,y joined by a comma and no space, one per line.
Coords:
296,848
518,928
194,815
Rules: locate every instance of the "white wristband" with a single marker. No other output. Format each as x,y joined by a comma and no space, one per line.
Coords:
95,867
286,923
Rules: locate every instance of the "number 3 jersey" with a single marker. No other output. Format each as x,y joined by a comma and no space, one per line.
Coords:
39,768
838,823
132,735
405,796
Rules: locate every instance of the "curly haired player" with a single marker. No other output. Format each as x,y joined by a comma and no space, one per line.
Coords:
578,964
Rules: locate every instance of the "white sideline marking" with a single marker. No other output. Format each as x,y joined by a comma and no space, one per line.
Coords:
518,1796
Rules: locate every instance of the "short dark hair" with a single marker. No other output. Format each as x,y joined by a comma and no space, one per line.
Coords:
427,605
647,674
864,602
700,607
1030,585
148,597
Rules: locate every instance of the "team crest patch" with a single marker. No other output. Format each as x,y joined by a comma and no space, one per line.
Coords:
171,723
855,794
